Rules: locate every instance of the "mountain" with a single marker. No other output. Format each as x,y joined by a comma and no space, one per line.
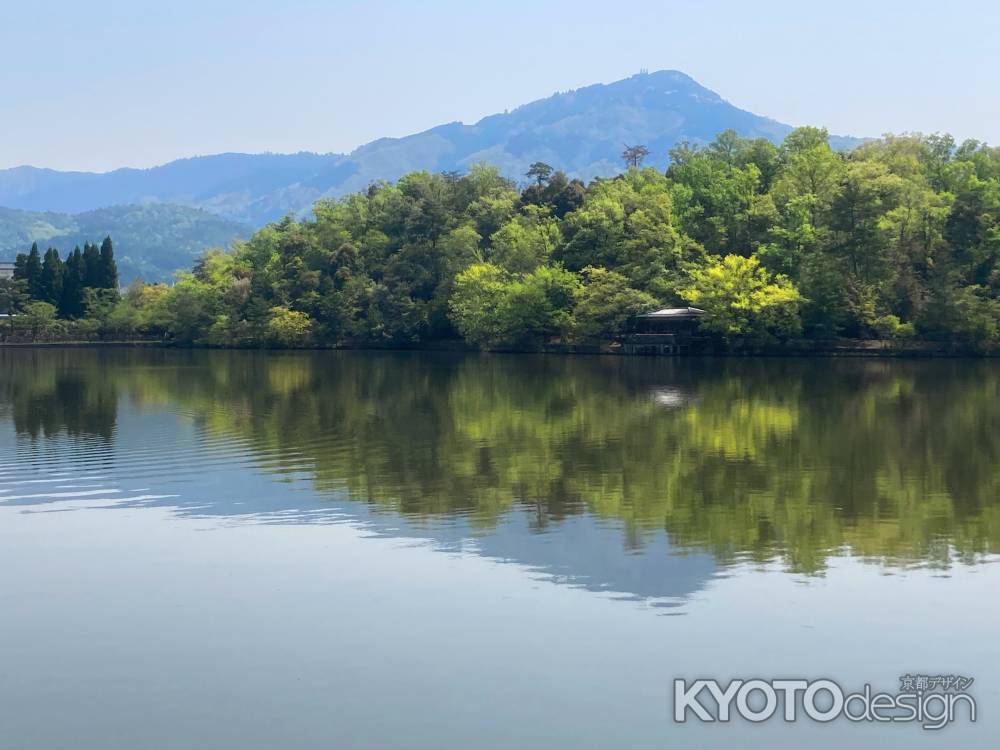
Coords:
152,240
581,132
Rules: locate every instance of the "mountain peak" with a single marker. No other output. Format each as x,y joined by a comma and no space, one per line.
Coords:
581,132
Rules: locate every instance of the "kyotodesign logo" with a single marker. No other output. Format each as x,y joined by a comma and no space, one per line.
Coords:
931,702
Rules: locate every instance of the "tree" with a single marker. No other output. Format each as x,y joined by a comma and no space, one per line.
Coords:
100,307
605,303
478,304
288,327
71,302
741,299
540,172
92,272
189,310
633,156
124,318
107,273
39,318
628,225
897,238
13,298
968,316
28,268
539,305
525,242
51,281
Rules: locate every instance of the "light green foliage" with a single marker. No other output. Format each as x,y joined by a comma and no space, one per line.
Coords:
288,328
491,307
539,304
189,309
478,304
525,242
888,326
740,298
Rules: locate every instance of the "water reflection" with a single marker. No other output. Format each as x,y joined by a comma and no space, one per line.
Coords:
597,469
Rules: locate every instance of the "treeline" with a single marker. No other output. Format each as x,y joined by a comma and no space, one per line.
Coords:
899,239
64,284
47,294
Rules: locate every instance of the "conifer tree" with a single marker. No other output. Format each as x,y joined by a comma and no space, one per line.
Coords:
108,270
33,273
50,286
92,266
71,301
21,267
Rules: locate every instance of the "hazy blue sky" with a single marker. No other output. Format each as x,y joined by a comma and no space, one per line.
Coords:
105,84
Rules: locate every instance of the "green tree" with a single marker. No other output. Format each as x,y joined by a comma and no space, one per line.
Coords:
92,271
478,305
189,310
526,241
107,273
28,268
288,327
13,298
540,172
71,302
605,303
538,306
633,156
51,282
742,299
628,225
39,319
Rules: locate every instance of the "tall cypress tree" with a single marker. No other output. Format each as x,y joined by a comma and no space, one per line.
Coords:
71,303
91,266
108,267
33,273
51,283
21,267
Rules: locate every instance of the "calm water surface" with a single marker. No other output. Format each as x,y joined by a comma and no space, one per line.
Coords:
368,550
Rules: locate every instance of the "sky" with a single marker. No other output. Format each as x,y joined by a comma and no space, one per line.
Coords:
101,85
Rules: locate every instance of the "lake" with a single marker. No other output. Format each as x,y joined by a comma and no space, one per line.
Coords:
420,550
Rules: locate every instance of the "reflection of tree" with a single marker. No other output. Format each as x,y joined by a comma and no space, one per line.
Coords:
56,396
795,458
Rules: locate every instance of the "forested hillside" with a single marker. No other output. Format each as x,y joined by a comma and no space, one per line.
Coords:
153,241
897,239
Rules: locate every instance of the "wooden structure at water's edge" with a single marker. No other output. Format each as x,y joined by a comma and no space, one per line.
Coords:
666,331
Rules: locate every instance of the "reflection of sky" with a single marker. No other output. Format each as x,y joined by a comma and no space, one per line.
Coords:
190,600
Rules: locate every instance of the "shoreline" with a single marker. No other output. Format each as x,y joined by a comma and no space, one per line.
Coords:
848,348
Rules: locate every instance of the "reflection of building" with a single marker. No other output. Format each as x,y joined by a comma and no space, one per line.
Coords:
666,331
671,397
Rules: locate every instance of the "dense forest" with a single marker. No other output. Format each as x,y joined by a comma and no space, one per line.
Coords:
897,239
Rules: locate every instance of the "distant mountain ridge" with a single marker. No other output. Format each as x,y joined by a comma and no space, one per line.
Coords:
581,132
